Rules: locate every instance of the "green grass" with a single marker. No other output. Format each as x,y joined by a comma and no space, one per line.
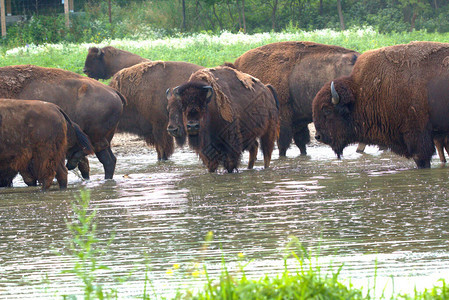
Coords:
204,49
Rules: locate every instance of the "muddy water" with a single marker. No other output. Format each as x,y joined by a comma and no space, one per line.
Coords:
364,211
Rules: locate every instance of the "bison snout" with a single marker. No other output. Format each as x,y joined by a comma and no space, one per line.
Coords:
173,131
193,128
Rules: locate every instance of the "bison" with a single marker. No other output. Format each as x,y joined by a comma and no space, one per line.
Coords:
103,63
146,115
396,96
224,113
35,137
95,107
297,70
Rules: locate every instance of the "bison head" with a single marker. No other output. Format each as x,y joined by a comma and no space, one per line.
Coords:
175,125
194,98
95,65
332,115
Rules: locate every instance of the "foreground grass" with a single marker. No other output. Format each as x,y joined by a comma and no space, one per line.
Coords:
306,282
206,49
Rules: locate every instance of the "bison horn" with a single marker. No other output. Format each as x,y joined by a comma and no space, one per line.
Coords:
335,96
168,93
176,93
210,92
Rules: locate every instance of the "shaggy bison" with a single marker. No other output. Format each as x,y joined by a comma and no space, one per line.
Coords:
103,63
224,113
95,107
35,137
297,70
146,114
396,97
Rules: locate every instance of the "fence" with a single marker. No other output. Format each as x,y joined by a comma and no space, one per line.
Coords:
7,17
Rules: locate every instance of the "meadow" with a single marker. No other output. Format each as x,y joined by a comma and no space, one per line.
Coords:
206,49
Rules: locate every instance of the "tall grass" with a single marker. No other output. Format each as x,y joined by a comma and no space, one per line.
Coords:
206,49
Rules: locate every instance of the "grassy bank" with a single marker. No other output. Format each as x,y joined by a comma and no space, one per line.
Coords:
204,49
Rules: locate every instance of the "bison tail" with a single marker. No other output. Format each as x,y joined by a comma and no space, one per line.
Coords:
84,141
124,101
275,95
82,138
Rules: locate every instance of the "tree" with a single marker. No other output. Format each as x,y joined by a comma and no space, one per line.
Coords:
340,15
412,9
183,26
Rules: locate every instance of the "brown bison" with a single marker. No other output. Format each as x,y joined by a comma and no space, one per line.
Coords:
35,137
95,107
297,70
103,63
224,113
396,97
144,86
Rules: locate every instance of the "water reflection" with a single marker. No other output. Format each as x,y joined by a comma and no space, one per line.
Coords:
363,208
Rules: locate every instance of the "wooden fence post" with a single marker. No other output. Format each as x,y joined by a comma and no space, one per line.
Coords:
66,12
3,17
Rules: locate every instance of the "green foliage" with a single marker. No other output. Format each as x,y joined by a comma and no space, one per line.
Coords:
83,247
140,19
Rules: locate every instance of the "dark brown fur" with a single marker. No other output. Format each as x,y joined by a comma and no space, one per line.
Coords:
33,141
240,111
95,107
297,70
396,97
144,86
103,63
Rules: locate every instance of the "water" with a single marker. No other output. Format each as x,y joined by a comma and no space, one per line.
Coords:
370,211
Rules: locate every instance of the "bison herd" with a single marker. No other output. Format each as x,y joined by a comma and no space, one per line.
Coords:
396,97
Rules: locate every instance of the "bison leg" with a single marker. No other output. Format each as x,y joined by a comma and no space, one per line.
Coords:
253,154
164,145
28,177
212,166
267,145
61,175
302,138
285,138
108,160
84,168
6,177
439,145
230,164
421,147
361,148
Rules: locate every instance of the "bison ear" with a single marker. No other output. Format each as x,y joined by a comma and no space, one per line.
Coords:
354,59
176,93
210,93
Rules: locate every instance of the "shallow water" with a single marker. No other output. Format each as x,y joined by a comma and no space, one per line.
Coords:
370,211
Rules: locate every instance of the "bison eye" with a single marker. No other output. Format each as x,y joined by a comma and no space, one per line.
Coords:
327,111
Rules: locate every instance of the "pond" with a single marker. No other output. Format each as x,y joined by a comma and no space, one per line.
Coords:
374,212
